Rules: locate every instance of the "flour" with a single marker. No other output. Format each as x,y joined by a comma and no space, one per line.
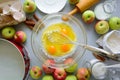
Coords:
112,41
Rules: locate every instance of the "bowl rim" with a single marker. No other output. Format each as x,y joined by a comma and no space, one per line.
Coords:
35,29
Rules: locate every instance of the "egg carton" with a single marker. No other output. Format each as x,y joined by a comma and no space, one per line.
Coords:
11,13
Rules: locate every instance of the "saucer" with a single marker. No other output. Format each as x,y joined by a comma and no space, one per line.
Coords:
50,6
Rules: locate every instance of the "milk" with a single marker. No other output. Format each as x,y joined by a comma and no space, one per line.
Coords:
100,12
99,71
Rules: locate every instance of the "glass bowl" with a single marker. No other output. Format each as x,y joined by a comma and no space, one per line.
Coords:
44,23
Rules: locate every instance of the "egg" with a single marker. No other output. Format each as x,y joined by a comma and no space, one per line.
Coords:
53,48
65,47
64,31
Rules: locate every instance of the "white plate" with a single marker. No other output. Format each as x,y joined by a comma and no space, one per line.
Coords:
12,66
50,6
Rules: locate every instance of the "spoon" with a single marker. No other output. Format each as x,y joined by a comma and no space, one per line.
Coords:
113,66
60,38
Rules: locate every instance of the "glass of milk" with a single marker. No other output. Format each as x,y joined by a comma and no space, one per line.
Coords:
97,69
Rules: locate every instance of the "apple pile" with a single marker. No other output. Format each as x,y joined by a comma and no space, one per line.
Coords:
11,34
70,73
102,26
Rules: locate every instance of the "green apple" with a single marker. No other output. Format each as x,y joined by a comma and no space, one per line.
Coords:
35,72
73,1
71,77
88,16
102,27
8,32
83,74
71,68
114,23
29,6
48,77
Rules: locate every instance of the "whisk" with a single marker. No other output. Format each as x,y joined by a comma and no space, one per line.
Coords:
57,37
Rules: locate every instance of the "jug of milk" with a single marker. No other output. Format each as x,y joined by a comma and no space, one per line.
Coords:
97,69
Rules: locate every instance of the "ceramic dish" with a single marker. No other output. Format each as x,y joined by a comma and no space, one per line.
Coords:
12,65
24,52
50,6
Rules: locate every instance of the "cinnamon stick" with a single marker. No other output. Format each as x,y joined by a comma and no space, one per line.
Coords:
29,26
32,23
36,17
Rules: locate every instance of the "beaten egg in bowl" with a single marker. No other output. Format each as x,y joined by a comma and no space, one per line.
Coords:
53,48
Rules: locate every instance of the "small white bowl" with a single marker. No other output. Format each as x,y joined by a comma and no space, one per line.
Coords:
50,6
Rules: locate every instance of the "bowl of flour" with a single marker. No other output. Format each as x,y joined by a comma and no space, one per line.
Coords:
111,41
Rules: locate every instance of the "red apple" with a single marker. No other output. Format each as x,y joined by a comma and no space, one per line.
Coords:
102,27
20,37
88,16
35,72
83,74
46,68
59,74
71,68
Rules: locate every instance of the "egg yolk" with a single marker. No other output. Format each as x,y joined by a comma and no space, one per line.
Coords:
64,31
51,49
65,47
